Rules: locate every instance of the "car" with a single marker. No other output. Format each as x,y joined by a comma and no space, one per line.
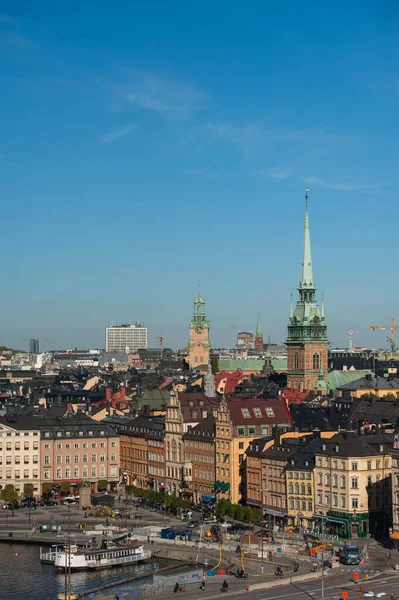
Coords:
48,503
70,500
193,524
11,505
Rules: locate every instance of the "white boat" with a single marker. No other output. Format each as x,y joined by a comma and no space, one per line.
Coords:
84,559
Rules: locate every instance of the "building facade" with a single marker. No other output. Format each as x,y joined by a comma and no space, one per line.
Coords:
352,481
20,454
174,430
34,346
245,338
78,450
199,446
307,343
199,345
125,338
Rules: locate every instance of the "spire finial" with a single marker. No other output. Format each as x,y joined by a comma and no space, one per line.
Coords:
291,315
199,289
306,197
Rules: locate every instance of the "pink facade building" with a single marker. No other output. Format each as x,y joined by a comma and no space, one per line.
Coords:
77,449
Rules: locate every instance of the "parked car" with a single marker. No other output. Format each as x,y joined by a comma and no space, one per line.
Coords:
29,503
47,502
193,524
11,506
70,500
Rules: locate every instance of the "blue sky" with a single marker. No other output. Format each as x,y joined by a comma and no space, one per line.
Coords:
148,147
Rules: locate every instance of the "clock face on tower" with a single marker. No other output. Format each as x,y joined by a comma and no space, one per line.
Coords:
198,329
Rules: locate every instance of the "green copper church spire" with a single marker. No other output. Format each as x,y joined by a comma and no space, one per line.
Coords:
258,327
307,271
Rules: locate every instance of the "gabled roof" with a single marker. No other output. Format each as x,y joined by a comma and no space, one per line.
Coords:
259,411
336,378
371,383
205,430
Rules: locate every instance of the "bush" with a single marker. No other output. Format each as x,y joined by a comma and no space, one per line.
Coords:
47,487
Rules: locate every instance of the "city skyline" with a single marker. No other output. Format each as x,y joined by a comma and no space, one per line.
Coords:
169,149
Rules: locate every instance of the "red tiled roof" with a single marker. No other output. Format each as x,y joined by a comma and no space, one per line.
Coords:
295,396
271,412
232,380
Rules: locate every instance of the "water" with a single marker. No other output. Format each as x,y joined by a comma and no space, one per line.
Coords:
23,577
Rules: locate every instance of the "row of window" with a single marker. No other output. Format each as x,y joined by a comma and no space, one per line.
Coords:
354,466
17,460
67,472
303,489
315,360
17,474
77,458
300,475
301,504
17,446
48,434
76,445
203,474
250,430
17,434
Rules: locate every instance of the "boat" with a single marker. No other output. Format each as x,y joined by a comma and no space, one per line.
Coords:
109,555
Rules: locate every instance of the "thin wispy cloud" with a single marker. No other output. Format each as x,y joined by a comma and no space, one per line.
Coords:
277,173
118,133
163,95
8,19
341,186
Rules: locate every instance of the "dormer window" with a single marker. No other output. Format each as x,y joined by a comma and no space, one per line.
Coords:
245,413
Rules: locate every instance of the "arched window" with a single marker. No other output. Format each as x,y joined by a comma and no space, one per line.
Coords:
295,360
316,361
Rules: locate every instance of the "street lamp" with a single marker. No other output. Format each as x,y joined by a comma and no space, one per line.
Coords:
262,490
322,506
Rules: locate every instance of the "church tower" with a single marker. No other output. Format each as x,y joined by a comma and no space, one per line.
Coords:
307,343
199,335
258,336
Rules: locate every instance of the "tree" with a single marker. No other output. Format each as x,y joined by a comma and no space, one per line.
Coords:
28,490
65,487
214,365
8,494
390,397
102,485
47,487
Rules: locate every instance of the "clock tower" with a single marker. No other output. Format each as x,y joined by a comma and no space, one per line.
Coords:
307,342
199,335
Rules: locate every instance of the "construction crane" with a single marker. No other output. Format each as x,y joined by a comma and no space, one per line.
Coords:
392,327
160,340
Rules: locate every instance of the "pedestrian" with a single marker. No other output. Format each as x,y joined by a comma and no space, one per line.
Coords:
116,597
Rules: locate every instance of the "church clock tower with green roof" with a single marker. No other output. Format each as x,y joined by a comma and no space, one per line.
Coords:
199,345
307,343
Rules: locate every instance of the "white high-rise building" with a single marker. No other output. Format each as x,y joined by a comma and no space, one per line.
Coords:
125,338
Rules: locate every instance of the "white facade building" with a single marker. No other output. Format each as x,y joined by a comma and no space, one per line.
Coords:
125,338
20,454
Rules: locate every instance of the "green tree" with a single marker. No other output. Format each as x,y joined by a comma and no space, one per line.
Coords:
214,365
28,490
8,493
102,485
390,397
65,487
47,487
239,512
254,516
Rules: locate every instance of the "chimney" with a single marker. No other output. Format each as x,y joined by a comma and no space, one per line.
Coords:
123,393
316,434
108,394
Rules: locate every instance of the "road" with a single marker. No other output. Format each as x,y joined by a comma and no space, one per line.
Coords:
305,590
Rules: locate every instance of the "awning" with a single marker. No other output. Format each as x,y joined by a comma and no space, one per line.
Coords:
206,498
394,535
274,513
332,519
